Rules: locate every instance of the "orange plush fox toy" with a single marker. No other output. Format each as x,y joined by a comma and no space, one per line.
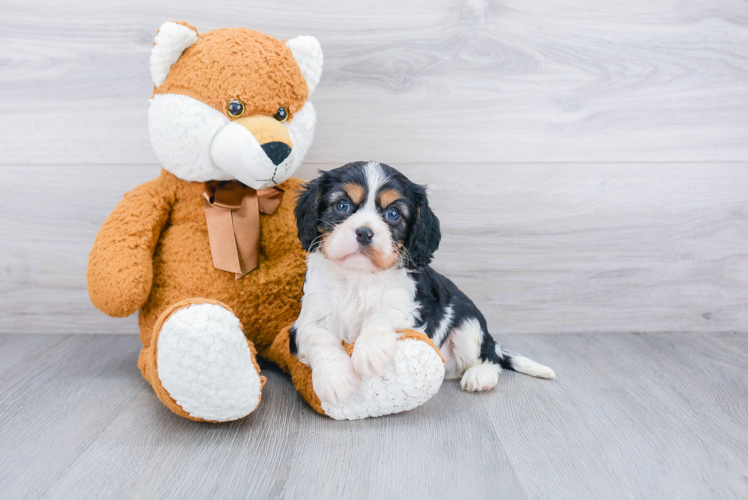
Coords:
208,251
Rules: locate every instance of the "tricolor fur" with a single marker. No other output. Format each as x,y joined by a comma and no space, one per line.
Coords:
371,235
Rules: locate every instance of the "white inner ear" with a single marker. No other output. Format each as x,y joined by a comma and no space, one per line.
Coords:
172,39
308,54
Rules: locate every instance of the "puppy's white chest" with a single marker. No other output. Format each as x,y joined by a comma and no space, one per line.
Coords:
354,299
353,302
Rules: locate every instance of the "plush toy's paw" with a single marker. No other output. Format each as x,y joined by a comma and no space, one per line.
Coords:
412,379
415,375
335,380
373,353
206,365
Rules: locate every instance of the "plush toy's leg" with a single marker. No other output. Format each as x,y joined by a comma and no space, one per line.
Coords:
413,379
200,364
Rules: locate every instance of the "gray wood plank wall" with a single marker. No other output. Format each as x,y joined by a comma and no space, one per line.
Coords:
589,160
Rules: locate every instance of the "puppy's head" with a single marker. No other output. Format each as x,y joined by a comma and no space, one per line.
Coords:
367,216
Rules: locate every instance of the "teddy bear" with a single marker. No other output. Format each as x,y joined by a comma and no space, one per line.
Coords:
208,252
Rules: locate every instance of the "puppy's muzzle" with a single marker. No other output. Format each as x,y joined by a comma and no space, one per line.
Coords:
364,235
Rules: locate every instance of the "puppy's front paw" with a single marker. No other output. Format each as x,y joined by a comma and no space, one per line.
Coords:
335,380
373,353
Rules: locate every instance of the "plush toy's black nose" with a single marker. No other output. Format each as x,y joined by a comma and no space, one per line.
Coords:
364,235
276,151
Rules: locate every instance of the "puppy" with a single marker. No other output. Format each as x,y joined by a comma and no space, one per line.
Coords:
371,235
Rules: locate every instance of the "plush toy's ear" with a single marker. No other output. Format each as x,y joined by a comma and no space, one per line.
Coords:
425,234
308,54
307,213
171,40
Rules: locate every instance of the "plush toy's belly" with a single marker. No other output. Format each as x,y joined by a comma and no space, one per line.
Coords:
265,300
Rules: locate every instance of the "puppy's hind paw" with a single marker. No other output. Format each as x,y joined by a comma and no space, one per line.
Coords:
482,377
373,353
335,381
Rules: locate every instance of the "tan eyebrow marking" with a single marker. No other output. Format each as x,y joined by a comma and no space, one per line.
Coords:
355,192
388,196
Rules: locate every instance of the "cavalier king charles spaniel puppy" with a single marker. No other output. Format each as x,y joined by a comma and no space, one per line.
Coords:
370,236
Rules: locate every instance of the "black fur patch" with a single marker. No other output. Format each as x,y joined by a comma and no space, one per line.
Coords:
307,211
424,235
435,294
292,341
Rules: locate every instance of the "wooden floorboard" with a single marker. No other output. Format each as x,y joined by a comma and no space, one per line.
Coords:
636,412
245,459
630,416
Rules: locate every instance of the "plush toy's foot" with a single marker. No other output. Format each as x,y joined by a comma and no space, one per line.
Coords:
200,363
414,377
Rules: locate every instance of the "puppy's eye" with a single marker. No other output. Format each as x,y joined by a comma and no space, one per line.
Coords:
281,115
236,108
343,206
392,213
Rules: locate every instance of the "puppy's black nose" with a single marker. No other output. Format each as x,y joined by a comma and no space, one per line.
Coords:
276,151
364,235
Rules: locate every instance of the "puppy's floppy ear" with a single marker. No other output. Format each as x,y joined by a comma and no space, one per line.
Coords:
425,234
307,212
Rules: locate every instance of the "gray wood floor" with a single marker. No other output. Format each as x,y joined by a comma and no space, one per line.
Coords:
630,416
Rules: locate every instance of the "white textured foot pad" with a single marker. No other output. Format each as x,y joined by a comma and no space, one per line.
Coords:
205,364
414,377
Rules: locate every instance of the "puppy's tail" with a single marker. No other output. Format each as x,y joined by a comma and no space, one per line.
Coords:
524,365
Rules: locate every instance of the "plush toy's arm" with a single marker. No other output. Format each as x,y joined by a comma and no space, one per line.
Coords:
120,266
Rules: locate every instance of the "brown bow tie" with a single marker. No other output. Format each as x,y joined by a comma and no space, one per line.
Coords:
232,212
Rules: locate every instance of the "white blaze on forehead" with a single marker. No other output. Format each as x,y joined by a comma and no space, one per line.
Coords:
375,178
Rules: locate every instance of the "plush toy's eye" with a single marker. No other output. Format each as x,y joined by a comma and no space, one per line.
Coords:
392,213
281,115
343,206
236,108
